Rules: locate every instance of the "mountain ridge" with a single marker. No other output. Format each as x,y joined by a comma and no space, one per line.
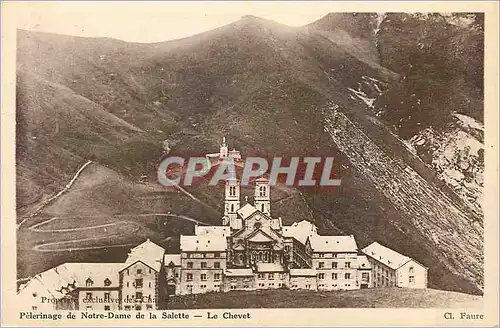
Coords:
262,84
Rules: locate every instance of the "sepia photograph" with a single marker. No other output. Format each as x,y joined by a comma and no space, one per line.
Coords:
172,158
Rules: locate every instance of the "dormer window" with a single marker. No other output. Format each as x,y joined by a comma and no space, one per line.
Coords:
89,282
107,282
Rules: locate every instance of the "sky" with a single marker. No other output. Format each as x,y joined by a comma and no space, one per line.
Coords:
158,21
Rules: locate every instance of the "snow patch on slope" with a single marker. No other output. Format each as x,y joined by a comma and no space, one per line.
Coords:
457,157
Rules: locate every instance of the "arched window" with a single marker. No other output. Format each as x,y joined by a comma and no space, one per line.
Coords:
232,208
262,207
262,190
411,270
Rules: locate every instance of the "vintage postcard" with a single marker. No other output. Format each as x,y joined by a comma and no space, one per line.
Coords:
250,164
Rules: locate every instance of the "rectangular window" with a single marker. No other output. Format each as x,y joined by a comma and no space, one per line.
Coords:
189,277
321,255
321,276
203,277
190,265
139,271
348,276
217,265
334,265
128,284
203,265
282,276
347,265
321,265
411,279
365,276
138,283
150,271
216,276
334,276
216,254
149,284
271,276
261,276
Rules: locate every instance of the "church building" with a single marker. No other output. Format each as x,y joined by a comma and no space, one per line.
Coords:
250,250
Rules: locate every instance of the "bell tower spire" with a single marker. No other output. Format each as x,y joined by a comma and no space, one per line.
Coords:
262,195
223,148
231,200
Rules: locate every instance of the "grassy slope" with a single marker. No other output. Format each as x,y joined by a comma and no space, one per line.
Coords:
260,83
363,298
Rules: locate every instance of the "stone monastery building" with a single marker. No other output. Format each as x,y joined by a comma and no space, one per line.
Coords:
249,250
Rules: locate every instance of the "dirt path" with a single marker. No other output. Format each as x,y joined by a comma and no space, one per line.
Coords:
40,248
48,201
36,227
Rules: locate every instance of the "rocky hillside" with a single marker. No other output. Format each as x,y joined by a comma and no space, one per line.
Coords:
334,87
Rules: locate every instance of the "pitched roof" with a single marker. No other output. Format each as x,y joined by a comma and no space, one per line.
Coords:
59,280
269,267
175,258
212,230
302,272
207,243
246,211
149,253
239,247
386,255
238,272
259,236
363,262
300,230
333,243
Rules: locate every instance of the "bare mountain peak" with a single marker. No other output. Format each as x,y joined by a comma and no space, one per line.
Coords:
356,24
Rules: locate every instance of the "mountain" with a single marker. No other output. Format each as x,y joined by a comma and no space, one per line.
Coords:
328,88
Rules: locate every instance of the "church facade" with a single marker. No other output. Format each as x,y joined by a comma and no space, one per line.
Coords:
251,250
